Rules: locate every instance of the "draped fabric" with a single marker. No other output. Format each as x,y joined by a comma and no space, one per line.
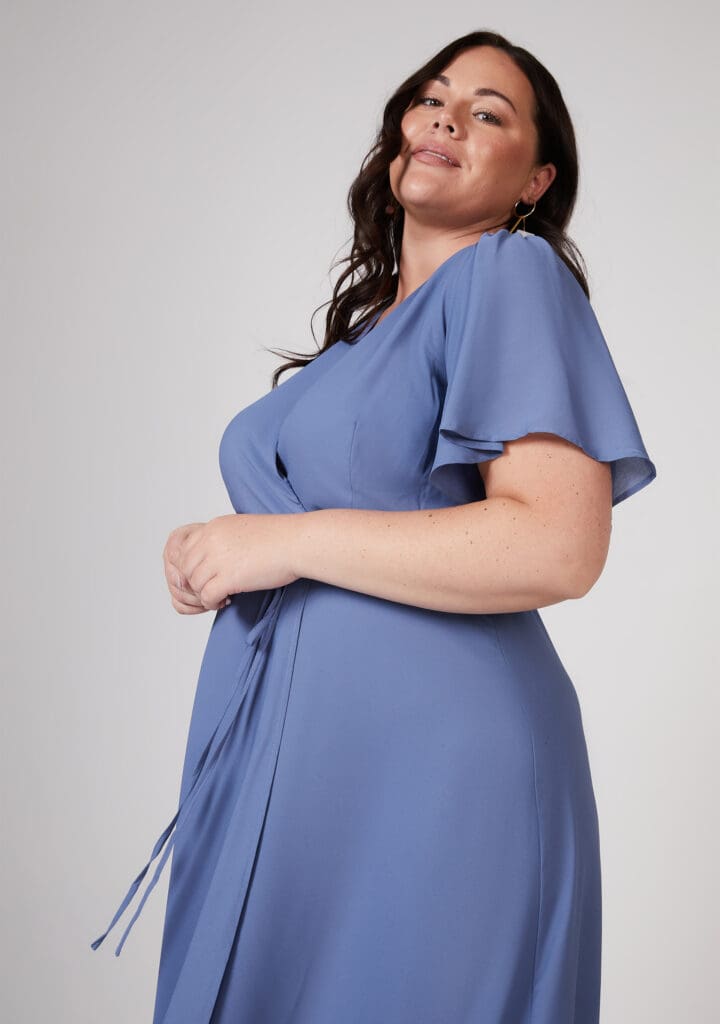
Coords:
386,812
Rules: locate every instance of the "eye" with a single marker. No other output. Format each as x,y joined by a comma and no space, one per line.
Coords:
493,118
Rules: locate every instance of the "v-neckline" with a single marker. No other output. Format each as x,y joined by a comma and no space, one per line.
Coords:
381,320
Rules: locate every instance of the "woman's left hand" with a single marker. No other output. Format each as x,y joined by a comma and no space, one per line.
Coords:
233,554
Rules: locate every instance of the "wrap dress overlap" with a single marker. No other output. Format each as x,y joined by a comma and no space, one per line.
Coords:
386,812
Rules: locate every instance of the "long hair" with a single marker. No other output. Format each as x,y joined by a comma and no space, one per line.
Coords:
378,235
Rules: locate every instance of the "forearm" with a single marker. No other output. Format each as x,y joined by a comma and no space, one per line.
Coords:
497,555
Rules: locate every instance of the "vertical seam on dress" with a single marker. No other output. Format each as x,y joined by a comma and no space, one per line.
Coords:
290,673
350,464
537,811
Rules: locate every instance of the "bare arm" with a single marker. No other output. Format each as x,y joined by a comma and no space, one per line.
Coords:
540,537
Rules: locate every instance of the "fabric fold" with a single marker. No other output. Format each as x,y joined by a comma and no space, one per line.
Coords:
524,353
258,640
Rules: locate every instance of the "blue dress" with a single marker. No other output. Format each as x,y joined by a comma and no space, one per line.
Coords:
386,812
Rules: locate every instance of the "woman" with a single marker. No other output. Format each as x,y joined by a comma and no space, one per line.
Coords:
386,809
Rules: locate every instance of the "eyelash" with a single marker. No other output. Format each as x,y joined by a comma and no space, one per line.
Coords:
496,117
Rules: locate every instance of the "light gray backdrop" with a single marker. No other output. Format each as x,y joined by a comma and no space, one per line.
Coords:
172,191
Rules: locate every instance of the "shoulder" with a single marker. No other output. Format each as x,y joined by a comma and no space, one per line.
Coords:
515,297
518,254
515,270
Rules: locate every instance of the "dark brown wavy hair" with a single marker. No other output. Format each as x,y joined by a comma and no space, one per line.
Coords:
378,234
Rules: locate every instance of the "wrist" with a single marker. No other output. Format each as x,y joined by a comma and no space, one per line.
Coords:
303,529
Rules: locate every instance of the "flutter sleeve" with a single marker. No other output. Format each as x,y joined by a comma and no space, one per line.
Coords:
524,353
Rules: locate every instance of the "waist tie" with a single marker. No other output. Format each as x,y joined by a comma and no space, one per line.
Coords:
252,661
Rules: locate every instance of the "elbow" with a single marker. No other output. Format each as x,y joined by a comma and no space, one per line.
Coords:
583,584
579,563
587,570
575,557
590,553
575,550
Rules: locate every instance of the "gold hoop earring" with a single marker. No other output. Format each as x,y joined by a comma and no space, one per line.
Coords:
521,216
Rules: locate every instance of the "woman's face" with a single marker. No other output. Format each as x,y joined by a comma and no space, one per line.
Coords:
491,140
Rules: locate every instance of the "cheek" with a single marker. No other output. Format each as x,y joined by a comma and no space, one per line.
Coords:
414,123
500,160
397,166
394,171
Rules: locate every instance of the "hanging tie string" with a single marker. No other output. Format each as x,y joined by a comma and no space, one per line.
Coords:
254,656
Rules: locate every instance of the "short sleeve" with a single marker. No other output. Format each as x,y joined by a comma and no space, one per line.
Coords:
524,353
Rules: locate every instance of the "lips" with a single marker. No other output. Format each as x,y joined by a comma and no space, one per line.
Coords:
436,154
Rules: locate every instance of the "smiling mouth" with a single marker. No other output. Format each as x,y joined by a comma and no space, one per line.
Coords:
429,156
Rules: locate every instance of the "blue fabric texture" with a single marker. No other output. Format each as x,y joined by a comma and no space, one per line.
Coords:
525,354
386,812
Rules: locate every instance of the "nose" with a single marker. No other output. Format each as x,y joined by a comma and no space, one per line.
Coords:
450,126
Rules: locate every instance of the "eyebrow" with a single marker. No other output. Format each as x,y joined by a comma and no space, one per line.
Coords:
478,92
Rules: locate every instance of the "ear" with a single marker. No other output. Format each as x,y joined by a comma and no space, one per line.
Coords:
539,182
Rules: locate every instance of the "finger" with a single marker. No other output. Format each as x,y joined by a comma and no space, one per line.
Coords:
187,609
175,577
180,581
176,539
213,595
184,596
191,554
177,582
199,575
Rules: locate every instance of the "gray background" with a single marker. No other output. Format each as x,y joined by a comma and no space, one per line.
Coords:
172,194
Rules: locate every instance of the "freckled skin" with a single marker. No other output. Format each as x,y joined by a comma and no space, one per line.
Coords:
535,543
